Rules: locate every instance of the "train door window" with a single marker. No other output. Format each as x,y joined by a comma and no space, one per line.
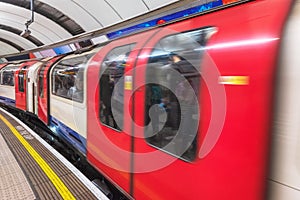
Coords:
41,80
172,109
8,75
68,78
111,89
21,79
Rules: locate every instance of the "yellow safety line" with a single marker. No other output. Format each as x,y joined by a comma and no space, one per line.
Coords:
56,181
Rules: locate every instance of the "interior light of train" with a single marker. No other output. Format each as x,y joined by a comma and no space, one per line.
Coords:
205,6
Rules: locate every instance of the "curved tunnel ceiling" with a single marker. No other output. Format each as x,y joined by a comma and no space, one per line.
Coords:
51,13
18,32
9,44
56,20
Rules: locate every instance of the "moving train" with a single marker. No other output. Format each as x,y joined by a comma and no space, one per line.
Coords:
202,108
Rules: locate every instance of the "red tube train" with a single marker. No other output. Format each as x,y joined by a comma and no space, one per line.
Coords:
187,110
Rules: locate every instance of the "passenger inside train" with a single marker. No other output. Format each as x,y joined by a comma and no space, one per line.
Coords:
172,94
63,86
68,79
8,78
76,92
111,87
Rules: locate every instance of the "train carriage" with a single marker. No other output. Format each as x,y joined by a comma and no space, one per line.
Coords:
186,110
236,80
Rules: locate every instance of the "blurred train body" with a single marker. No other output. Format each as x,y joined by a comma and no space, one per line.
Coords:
118,104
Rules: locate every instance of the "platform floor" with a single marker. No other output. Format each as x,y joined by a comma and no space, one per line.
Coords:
32,169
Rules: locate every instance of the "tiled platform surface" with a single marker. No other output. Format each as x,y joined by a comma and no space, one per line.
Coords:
14,184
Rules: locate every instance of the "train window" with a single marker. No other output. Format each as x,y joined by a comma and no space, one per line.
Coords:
8,75
173,77
21,79
111,89
41,80
68,78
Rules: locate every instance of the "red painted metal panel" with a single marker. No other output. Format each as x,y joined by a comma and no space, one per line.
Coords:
43,93
236,165
107,149
22,83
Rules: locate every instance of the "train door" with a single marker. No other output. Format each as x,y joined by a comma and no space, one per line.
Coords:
109,140
43,89
167,111
32,81
21,84
231,142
